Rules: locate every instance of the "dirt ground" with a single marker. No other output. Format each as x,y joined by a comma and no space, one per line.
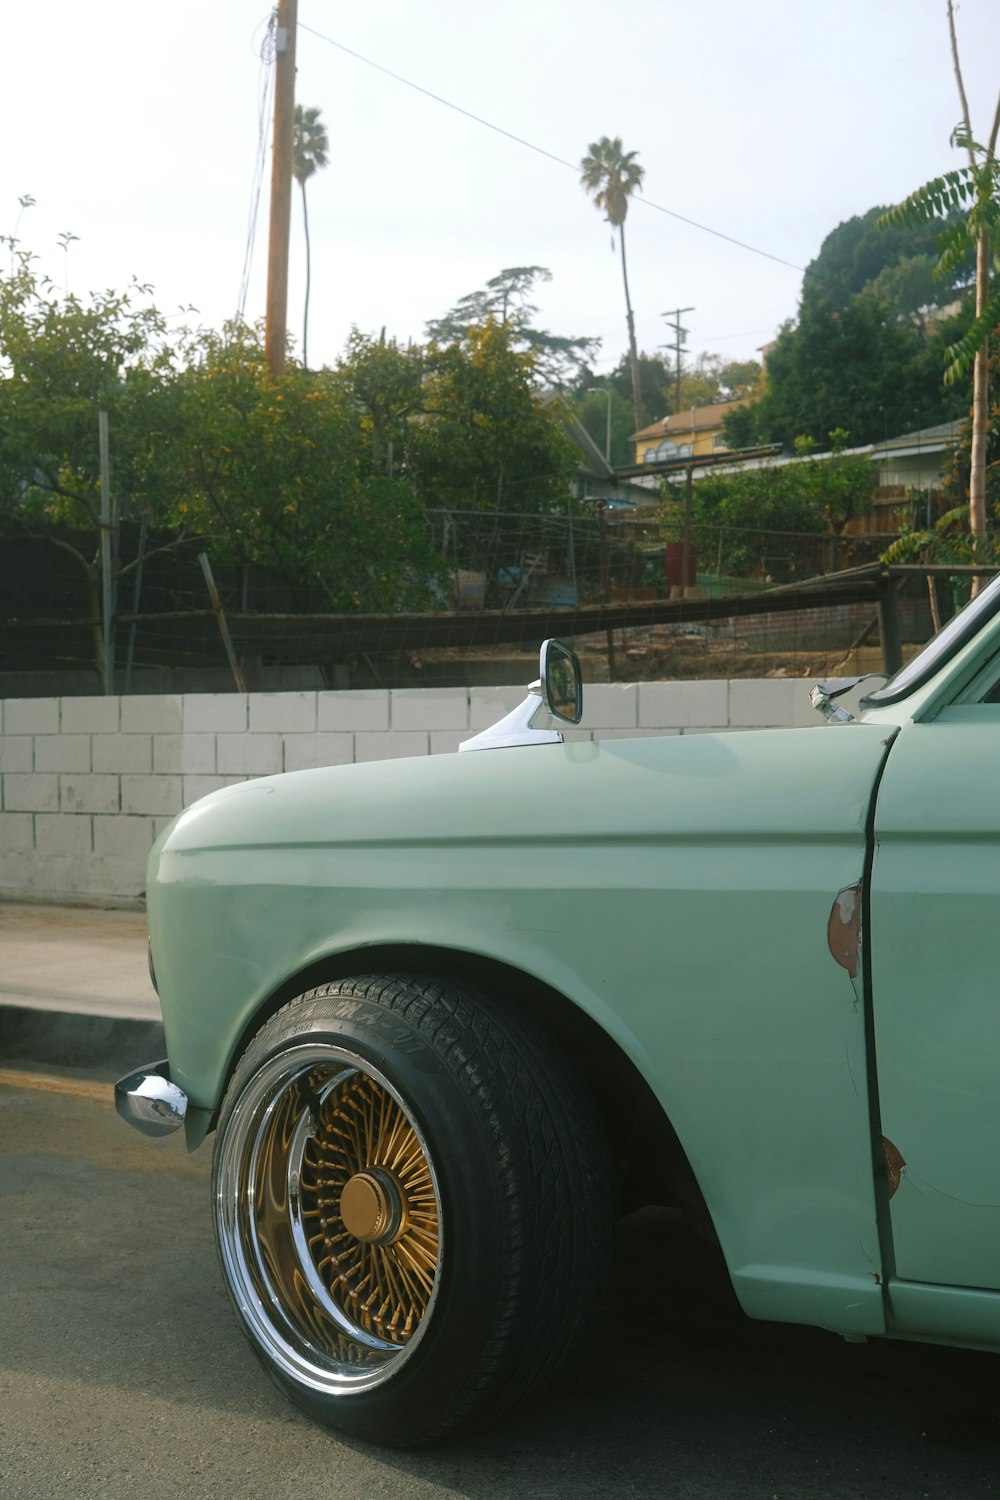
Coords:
654,656
682,659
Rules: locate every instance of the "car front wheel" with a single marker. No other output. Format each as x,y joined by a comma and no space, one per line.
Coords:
412,1206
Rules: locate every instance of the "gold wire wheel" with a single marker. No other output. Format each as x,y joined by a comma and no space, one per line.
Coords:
369,1203
328,1217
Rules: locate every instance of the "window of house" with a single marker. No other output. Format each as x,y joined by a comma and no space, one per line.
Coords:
666,449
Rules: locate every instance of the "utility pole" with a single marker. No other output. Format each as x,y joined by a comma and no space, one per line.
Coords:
108,664
680,334
282,159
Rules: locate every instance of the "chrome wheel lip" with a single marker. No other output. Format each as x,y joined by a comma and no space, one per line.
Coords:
271,1326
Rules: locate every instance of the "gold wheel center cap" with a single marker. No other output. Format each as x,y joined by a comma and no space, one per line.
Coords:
366,1208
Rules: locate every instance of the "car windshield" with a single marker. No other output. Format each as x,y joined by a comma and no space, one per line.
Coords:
941,648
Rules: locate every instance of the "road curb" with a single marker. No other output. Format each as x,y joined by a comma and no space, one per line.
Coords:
101,1046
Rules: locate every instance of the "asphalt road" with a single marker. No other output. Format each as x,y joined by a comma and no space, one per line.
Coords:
122,1372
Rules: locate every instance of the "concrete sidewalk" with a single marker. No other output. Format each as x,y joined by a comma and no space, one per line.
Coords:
75,959
75,989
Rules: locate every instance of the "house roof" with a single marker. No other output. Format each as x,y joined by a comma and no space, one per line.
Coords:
593,460
927,440
694,419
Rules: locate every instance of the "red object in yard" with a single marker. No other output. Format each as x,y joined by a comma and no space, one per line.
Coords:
676,569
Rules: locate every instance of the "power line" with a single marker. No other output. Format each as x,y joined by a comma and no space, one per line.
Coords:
265,93
540,150
747,333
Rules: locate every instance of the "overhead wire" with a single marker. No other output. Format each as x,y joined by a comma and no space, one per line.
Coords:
265,93
541,150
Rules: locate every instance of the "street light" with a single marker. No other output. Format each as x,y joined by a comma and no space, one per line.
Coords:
603,390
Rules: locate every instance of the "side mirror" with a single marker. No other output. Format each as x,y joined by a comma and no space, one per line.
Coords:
560,688
562,682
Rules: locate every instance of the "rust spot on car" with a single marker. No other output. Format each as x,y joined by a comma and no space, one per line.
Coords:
843,932
895,1166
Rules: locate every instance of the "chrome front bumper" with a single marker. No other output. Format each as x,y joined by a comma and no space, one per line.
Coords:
149,1101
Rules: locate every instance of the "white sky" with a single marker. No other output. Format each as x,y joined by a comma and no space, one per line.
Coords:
134,126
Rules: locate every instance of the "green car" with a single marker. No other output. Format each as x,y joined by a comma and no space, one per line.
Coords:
450,1017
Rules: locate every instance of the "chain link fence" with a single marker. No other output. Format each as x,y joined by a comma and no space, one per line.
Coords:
607,576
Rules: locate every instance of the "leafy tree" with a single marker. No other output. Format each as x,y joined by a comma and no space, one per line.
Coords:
310,152
712,379
277,471
734,513
968,200
742,427
294,473
911,288
558,360
64,360
842,487
739,377
611,175
738,520
486,440
947,541
654,385
591,410
699,383
858,252
858,367
384,382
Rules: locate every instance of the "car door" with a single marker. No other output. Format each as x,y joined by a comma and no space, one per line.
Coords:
934,933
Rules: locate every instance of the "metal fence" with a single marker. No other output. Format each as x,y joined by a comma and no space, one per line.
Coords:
637,601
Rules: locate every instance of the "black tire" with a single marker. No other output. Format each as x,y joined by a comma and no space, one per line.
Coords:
405,1137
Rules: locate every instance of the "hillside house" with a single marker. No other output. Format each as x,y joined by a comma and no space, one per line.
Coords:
695,433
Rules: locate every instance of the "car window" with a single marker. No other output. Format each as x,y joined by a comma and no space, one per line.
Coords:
940,649
985,686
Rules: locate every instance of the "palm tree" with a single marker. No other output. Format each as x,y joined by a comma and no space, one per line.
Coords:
971,196
611,175
311,151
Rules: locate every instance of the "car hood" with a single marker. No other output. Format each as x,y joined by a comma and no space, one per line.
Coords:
764,783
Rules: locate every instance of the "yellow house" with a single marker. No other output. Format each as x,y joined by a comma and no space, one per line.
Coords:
695,433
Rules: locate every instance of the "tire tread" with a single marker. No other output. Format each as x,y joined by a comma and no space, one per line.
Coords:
551,1166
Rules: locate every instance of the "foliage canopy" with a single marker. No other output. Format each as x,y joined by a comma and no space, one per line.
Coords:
323,478
558,360
731,513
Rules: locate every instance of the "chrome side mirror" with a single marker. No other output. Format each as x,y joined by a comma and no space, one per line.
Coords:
562,682
823,695
559,690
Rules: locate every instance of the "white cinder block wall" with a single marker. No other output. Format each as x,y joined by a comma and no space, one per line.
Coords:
88,783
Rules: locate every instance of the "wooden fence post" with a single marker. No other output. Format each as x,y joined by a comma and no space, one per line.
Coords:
888,623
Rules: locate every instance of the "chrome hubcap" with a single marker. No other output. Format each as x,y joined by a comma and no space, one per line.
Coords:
372,1207
329,1218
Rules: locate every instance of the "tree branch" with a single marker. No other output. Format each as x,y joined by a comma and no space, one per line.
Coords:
56,541
173,546
992,144
53,487
961,86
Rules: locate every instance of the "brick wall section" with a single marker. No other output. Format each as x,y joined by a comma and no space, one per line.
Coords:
87,784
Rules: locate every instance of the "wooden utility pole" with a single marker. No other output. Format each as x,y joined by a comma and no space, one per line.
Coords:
680,334
282,157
